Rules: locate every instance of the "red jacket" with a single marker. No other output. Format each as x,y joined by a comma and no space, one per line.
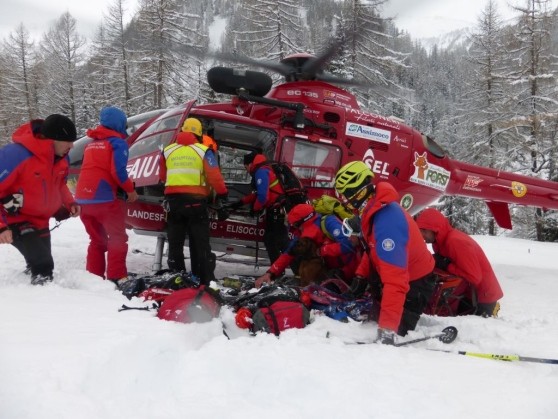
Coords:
29,166
467,257
396,250
337,251
104,167
213,176
264,182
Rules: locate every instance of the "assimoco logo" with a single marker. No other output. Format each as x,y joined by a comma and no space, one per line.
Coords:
368,133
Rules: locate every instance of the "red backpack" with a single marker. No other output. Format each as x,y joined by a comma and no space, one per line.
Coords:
453,296
189,305
279,316
272,309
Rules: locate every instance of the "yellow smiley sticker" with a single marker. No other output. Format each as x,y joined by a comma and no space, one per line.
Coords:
519,190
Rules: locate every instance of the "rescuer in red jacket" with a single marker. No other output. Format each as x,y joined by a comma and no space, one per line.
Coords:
402,264
266,196
459,254
33,172
336,249
102,179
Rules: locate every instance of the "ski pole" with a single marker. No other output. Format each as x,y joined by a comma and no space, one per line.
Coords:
447,335
497,357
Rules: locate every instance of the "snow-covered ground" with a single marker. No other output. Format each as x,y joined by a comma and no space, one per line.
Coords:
66,352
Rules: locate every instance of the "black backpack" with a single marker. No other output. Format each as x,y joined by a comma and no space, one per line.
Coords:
294,192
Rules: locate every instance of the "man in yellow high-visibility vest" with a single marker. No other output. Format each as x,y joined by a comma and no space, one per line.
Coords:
190,170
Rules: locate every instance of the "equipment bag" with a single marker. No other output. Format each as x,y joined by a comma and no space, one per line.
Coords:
295,192
337,305
279,316
453,296
327,205
161,279
198,305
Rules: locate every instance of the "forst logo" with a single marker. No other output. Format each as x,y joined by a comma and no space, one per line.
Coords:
429,174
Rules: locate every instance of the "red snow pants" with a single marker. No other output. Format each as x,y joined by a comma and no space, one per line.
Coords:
106,226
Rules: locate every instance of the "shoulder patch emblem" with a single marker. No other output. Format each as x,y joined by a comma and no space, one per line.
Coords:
388,245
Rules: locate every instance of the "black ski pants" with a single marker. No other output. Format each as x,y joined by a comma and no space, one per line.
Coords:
276,236
35,247
188,216
416,300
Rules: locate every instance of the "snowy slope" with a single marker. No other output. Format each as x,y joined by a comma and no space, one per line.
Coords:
66,352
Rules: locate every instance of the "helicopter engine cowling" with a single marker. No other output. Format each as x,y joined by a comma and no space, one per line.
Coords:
230,81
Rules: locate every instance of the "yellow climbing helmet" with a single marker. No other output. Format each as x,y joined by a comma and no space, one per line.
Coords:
352,177
193,125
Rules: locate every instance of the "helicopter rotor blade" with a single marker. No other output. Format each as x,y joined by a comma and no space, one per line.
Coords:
280,68
329,78
314,66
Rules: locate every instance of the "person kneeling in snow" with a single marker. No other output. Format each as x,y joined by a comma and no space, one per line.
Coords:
459,254
336,249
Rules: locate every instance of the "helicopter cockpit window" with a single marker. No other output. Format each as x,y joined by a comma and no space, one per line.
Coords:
244,136
155,137
433,146
231,161
314,163
236,140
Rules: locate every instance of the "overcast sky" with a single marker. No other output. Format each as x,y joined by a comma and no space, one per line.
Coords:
428,18
39,15
421,18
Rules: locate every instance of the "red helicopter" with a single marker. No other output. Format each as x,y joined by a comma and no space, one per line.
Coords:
315,127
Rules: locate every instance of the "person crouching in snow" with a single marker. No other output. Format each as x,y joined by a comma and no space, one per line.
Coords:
103,214
457,253
394,249
326,231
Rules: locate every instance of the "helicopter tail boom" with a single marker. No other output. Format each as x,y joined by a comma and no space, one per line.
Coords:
498,188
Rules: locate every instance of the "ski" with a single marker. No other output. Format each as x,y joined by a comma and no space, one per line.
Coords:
497,357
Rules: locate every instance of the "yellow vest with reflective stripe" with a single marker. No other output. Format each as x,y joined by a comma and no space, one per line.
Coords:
185,164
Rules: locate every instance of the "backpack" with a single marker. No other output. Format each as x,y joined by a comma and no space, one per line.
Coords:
294,192
336,305
279,316
161,279
453,296
188,305
327,205
272,309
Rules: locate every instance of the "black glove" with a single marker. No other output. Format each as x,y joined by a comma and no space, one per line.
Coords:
62,214
222,197
12,203
442,262
222,214
255,214
358,287
354,224
386,337
233,206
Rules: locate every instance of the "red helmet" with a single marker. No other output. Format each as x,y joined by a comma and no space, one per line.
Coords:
300,214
